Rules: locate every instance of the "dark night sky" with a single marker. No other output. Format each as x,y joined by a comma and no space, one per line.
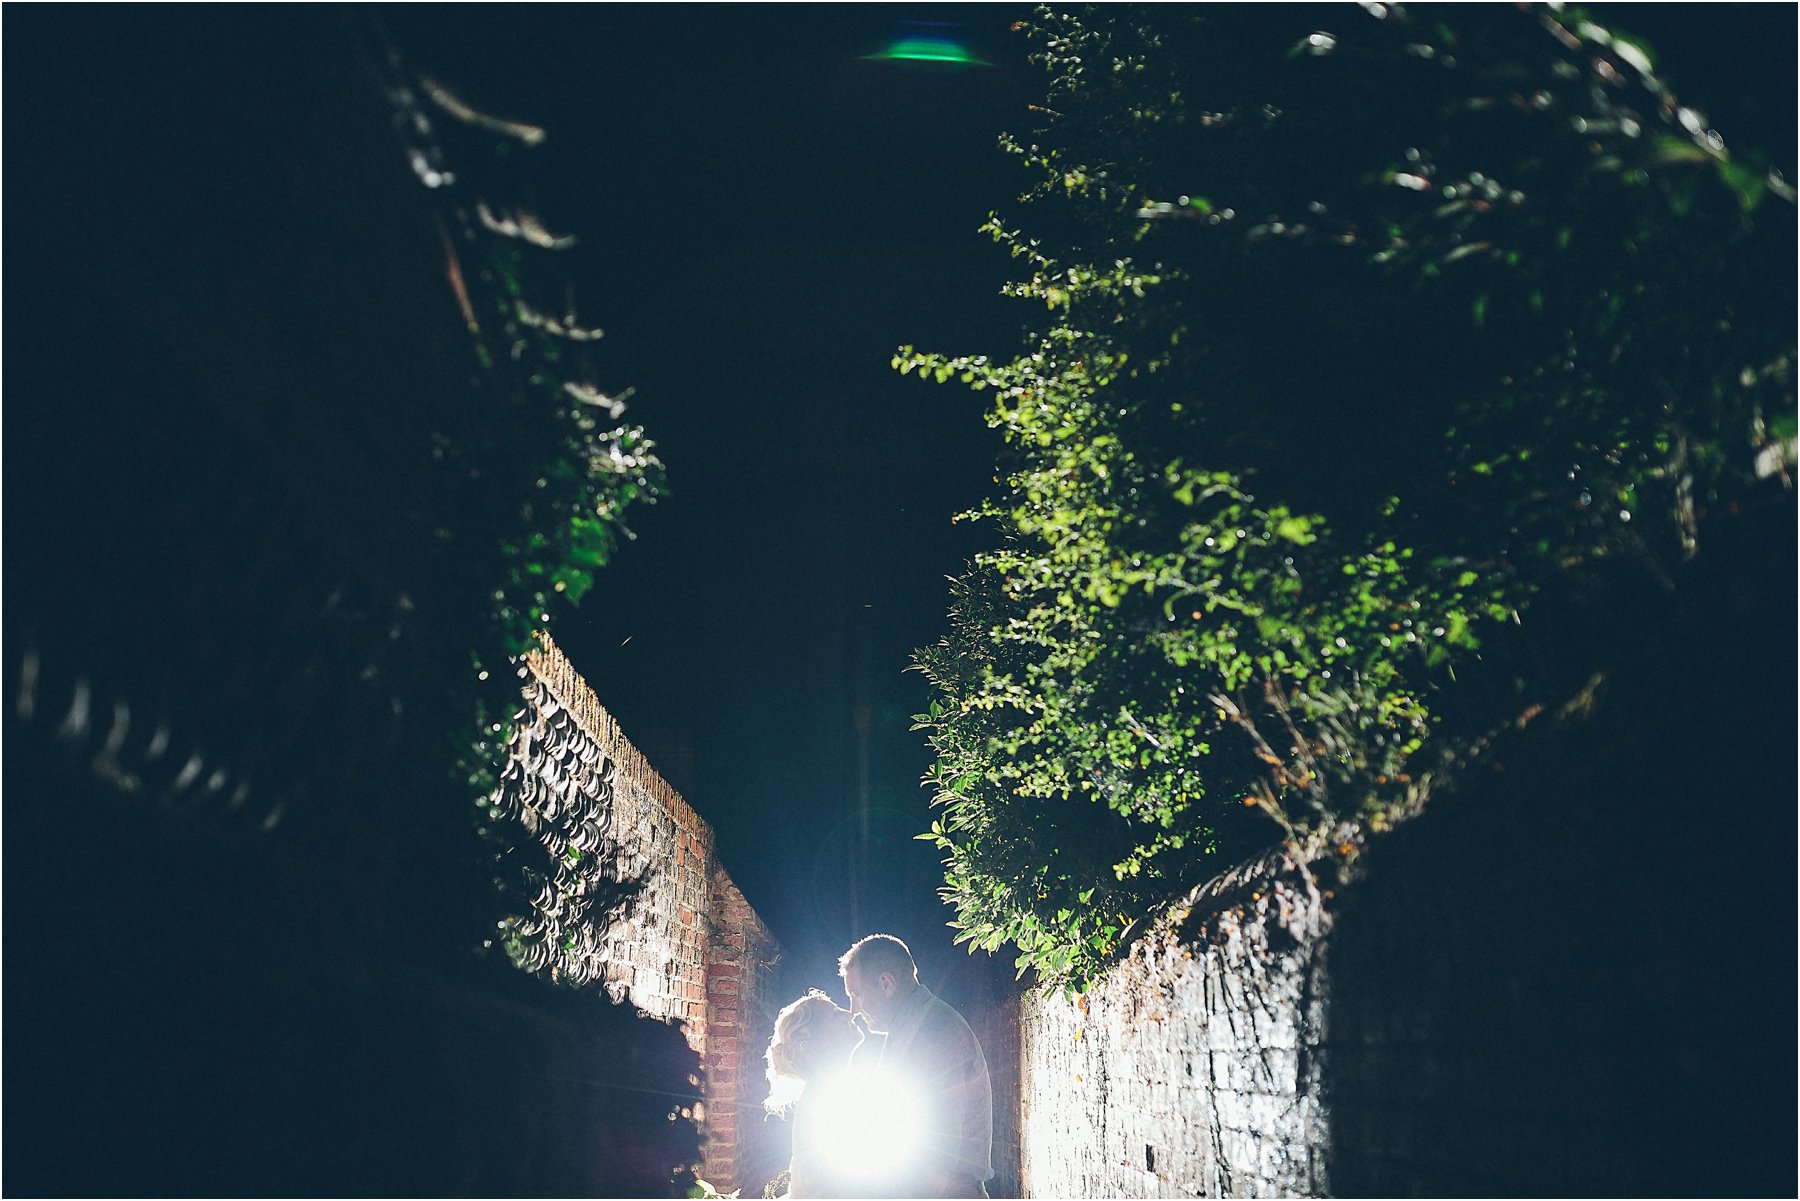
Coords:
765,215
772,216
769,214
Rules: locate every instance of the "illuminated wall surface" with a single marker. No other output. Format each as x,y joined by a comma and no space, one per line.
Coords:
686,947
1192,1069
1542,986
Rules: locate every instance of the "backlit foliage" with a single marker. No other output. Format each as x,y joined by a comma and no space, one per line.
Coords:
1351,342
539,473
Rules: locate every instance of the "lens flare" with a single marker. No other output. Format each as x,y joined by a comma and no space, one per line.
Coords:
871,1122
929,49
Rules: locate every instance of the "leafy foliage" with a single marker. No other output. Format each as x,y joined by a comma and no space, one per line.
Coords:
296,485
543,469
1355,341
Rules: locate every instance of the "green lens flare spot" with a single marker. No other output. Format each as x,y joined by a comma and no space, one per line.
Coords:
929,50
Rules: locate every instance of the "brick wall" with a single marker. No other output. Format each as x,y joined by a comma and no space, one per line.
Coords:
996,1023
1575,976
741,1005
683,945
1191,1069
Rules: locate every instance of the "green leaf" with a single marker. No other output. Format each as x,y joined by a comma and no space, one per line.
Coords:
1296,529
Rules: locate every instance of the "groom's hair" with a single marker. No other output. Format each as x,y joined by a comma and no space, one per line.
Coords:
880,953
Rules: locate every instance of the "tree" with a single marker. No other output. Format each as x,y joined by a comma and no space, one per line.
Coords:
1363,344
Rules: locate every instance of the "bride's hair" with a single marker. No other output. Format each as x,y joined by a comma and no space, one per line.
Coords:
807,1039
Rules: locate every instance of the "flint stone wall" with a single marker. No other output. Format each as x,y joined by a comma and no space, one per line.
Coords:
1192,1068
1573,976
687,947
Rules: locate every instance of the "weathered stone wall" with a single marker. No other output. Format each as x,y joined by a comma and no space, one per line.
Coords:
1575,976
1192,1068
686,946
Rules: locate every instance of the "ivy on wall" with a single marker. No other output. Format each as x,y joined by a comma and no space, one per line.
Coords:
1355,343
302,473
544,468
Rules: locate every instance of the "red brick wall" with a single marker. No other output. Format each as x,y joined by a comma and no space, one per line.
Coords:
688,948
742,1016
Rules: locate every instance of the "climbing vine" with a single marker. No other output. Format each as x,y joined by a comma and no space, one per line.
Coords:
1352,343
540,470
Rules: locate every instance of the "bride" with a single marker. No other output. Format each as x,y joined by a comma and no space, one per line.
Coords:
810,1049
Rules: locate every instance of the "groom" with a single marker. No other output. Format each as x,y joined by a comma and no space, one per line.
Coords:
929,1043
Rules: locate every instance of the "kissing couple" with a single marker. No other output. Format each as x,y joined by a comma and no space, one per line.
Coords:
907,1114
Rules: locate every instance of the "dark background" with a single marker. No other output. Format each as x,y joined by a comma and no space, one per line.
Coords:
766,216
210,226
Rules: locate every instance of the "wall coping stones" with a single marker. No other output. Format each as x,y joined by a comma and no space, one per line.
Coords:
552,666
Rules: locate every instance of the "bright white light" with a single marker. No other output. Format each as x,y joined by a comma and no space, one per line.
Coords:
870,1121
